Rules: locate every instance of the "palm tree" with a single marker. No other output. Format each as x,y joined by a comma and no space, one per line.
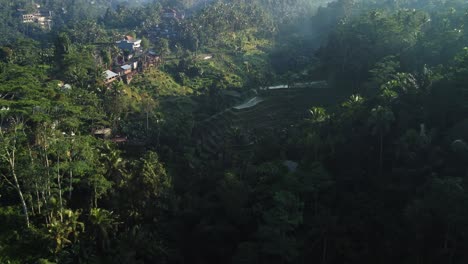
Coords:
318,115
103,221
353,106
113,163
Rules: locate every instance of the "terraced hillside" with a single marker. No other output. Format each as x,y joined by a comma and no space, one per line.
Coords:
273,108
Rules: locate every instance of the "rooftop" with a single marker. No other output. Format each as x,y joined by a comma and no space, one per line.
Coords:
250,103
103,131
110,74
136,41
126,67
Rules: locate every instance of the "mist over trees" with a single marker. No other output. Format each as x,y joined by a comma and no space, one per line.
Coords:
233,131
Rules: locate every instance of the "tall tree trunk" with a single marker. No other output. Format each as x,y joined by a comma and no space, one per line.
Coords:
381,155
36,187
44,198
20,193
59,185
316,203
324,252
159,134
48,172
38,199
95,196
9,156
70,174
31,205
147,122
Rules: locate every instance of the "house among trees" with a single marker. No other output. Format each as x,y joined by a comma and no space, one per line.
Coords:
133,61
151,59
110,76
129,43
125,69
103,133
124,72
41,18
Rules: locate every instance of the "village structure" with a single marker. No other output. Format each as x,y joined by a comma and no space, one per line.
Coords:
133,58
129,44
40,17
134,61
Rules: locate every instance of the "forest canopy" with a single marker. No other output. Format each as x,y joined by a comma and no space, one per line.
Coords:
233,131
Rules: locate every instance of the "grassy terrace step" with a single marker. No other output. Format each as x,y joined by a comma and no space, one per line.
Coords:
279,108
242,149
216,126
215,116
220,120
211,136
264,109
214,134
273,111
253,121
211,147
269,111
208,149
292,89
266,100
270,102
273,124
286,119
206,155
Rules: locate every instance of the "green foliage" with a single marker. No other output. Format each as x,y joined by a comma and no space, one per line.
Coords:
226,18
162,46
279,221
128,17
357,45
318,114
380,119
153,182
157,82
385,70
66,230
361,171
